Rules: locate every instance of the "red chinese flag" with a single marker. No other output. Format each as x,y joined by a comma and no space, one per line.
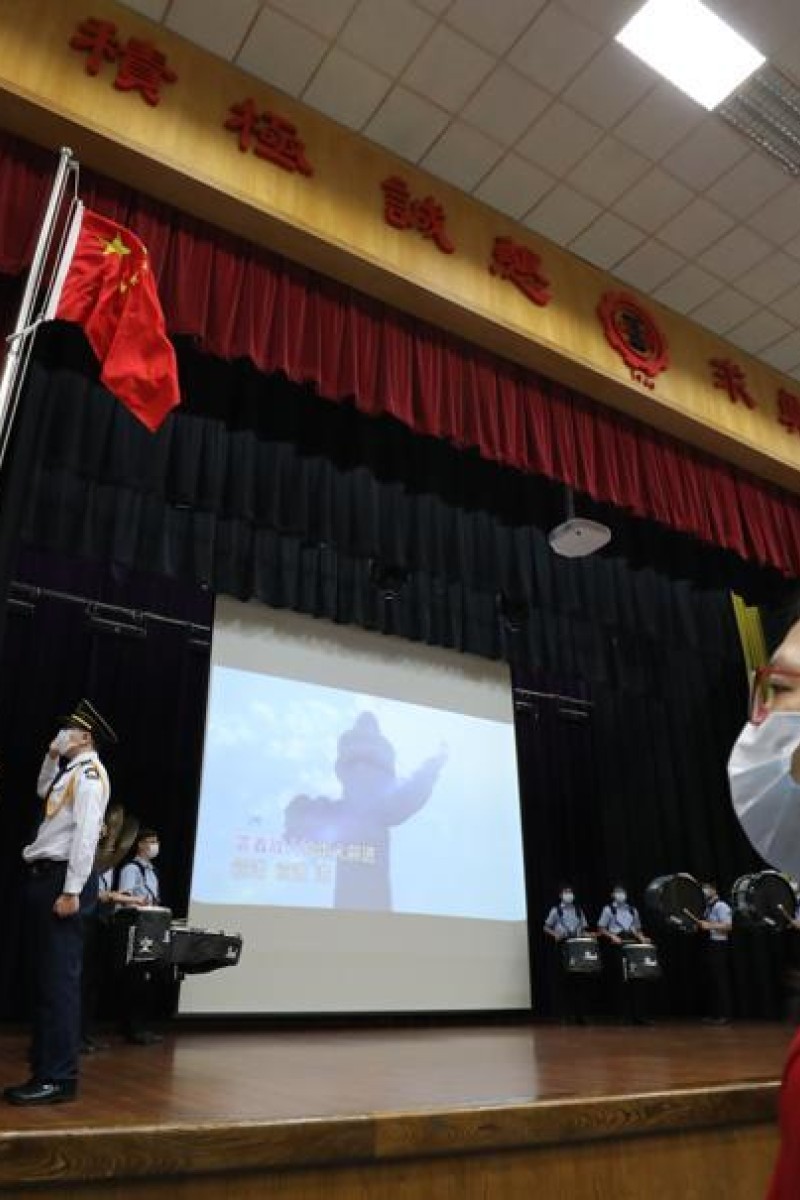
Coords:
105,284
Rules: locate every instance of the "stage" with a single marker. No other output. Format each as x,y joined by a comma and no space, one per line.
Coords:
455,1112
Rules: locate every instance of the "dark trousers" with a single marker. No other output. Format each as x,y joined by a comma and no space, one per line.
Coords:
718,961
57,957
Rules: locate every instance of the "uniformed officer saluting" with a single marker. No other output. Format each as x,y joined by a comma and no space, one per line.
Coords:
62,887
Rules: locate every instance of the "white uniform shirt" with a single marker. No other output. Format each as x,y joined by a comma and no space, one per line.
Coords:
76,804
620,918
139,879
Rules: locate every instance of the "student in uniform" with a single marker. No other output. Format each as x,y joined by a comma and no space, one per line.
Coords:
138,881
61,889
717,923
620,922
566,919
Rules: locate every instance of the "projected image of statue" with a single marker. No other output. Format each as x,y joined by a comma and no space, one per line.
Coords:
358,823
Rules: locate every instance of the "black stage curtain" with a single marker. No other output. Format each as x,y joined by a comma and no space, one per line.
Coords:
256,488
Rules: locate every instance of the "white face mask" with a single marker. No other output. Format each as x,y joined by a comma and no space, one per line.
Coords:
151,850
567,897
63,740
620,897
765,797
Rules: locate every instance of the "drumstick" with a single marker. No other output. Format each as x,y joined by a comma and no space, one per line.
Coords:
692,917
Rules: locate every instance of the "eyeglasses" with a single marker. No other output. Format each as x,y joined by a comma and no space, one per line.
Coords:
767,683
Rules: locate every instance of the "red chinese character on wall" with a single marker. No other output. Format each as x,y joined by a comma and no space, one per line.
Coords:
140,66
789,410
426,216
522,267
270,136
632,332
729,377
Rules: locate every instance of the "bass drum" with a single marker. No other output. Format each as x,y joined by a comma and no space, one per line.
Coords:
677,900
764,900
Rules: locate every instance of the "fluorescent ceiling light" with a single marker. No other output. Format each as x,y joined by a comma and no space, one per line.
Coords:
691,47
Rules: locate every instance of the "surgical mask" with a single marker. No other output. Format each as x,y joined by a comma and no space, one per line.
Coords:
766,798
151,850
620,897
63,740
708,894
567,897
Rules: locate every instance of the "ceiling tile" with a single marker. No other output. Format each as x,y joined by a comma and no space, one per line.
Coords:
606,241
735,253
386,33
448,69
462,156
724,310
609,86
346,90
779,218
771,278
514,186
648,266
748,185
505,105
653,200
709,150
758,331
562,214
219,30
323,16
555,48
154,9
662,119
690,287
788,305
608,170
406,124
607,16
696,227
559,139
495,25
281,52
785,354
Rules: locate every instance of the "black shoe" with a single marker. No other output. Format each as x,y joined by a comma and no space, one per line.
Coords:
37,1092
643,1021
143,1037
716,1021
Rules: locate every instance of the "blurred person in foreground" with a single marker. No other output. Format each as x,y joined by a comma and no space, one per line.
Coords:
764,771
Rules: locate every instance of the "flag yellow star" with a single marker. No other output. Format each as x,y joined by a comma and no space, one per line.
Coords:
115,246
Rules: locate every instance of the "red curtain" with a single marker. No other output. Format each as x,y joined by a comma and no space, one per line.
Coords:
241,302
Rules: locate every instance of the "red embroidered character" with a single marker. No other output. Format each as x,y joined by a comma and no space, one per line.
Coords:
730,378
789,410
426,216
274,138
243,119
99,39
521,267
397,203
277,141
142,68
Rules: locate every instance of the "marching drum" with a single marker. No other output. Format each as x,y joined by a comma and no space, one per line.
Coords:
581,955
677,900
764,899
142,935
639,961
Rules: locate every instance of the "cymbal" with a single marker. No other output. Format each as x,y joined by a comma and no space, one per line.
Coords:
121,831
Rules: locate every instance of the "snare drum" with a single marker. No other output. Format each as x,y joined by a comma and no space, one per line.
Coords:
142,935
764,899
581,955
639,961
677,900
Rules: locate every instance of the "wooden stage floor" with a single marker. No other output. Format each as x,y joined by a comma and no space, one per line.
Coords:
300,1099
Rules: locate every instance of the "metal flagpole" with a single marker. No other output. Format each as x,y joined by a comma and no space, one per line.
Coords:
19,341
